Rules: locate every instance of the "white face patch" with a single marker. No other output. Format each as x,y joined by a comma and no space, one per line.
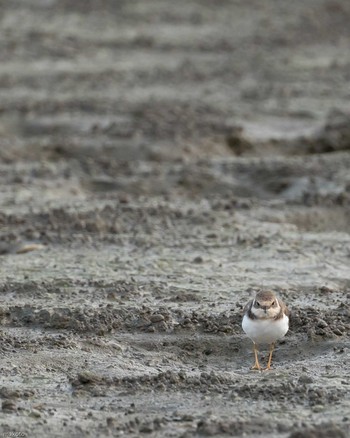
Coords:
270,312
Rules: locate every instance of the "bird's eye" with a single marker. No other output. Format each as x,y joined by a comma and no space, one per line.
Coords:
257,303
273,303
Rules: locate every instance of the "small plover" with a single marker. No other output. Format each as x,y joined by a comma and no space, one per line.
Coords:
265,320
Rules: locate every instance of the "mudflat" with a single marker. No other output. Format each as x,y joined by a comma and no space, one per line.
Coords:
161,162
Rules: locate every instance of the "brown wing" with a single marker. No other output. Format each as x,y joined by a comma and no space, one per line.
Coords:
283,307
248,306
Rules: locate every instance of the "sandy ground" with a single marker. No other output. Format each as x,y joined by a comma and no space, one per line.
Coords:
160,162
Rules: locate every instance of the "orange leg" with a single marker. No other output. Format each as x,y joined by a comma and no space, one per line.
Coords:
272,347
256,366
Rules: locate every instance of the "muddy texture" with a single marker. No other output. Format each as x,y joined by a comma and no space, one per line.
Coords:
160,162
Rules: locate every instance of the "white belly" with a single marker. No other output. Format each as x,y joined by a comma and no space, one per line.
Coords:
265,331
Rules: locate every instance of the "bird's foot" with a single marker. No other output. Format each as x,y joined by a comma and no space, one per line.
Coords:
256,367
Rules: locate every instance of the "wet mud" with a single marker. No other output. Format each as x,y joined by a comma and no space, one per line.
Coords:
159,164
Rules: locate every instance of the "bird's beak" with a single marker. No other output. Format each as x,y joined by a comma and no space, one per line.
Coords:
265,308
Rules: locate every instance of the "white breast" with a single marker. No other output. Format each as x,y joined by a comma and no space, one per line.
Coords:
265,331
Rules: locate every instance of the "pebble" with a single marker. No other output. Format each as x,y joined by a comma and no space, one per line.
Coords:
322,324
28,247
35,413
157,317
8,406
318,408
337,332
198,260
305,379
146,428
87,377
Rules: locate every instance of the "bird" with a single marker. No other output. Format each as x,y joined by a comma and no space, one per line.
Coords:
265,320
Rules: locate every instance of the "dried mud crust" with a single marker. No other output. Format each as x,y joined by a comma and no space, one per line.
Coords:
301,390
322,431
106,318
